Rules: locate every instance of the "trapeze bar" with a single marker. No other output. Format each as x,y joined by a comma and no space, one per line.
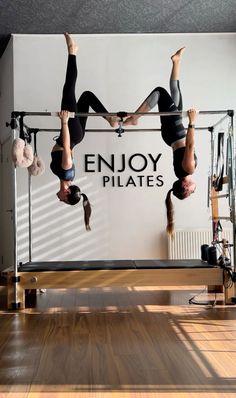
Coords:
122,114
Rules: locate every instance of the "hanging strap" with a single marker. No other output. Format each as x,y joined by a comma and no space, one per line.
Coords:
24,132
21,125
35,144
216,228
218,183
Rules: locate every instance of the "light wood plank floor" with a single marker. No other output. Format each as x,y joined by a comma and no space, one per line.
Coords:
136,342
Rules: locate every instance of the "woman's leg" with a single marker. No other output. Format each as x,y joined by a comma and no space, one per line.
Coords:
153,98
149,103
143,108
171,126
174,79
68,102
87,100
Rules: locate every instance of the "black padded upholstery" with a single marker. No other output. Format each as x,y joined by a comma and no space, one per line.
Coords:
110,265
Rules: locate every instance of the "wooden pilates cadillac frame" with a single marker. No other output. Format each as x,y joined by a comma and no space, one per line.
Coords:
18,279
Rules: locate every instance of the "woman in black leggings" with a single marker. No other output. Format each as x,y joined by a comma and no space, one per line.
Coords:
174,135
72,133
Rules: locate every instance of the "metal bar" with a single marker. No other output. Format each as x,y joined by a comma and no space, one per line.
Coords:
103,114
220,196
110,130
14,219
114,130
30,214
99,130
233,208
208,191
212,153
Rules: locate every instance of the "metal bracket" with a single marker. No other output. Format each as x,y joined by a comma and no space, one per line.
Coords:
15,279
230,112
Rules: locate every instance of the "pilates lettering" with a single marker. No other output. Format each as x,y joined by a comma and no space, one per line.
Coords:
115,167
137,181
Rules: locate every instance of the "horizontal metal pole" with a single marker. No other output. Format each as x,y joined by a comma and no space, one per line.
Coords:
134,130
182,113
102,130
109,130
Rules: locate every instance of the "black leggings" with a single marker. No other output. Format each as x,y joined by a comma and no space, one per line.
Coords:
87,99
172,128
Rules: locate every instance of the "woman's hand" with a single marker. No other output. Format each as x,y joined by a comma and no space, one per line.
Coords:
192,115
64,116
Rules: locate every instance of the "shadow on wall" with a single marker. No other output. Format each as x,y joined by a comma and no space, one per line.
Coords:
50,216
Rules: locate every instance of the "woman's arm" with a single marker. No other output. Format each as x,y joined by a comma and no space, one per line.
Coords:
188,163
66,154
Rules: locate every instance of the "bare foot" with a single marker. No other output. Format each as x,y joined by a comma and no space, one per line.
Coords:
131,121
178,54
113,120
71,44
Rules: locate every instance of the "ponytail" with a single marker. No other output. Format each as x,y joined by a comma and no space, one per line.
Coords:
87,211
74,197
178,191
169,214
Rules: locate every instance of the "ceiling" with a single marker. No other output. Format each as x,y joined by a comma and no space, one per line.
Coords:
115,16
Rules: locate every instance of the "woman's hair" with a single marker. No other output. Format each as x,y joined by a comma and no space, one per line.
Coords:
179,191
74,197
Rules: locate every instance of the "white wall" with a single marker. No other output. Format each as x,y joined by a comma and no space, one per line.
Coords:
6,204
127,222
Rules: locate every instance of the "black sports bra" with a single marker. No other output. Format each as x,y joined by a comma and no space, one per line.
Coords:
55,166
178,156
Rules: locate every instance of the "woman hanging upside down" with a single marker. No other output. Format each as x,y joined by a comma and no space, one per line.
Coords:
72,133
174,135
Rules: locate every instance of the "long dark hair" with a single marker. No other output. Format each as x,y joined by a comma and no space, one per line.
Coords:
179,191
74,197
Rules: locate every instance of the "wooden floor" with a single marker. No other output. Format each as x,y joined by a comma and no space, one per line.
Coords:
135,342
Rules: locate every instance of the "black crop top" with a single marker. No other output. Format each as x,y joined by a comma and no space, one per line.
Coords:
55,166
178,156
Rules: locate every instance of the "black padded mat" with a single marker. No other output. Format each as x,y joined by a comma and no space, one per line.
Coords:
110,265
76,265
162,264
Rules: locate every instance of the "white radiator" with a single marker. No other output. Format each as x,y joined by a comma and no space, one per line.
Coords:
187,244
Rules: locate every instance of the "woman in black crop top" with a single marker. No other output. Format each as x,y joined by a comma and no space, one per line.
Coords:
174,135
72,133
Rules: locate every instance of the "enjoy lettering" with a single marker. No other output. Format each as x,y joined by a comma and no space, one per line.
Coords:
136,162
